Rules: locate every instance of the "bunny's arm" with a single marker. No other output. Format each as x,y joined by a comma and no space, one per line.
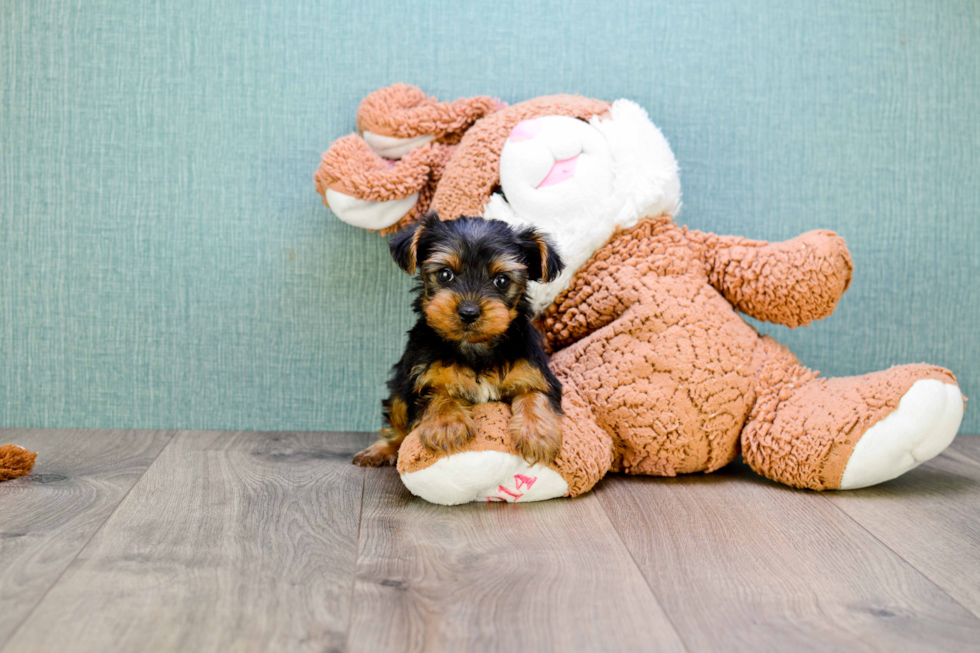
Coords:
793,282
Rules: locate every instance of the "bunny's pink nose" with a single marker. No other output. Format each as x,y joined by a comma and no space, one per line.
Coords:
561,171
525,131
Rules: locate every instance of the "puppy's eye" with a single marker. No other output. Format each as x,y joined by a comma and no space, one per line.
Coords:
444,275
501,281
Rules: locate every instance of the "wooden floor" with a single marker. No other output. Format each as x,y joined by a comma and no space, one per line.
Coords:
200,541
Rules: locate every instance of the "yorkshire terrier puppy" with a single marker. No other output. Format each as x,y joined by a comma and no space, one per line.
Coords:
474,341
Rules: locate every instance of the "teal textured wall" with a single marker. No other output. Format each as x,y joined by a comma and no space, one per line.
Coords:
165,262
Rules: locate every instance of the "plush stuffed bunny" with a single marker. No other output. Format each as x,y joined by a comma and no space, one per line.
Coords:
660,374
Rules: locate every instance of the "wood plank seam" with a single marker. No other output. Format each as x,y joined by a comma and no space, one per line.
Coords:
877,595
357,557
639,571
257,526
900,556
13,633
910,563
492,578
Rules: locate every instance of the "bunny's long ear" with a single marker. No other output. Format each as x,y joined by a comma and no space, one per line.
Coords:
373,193
396,119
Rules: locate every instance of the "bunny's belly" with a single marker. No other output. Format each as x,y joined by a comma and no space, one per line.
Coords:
671,379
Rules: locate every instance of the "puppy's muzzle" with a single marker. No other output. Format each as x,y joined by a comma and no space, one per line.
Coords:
468,312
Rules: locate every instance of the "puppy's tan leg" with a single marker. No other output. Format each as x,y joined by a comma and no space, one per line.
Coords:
384,452
446,425
535,427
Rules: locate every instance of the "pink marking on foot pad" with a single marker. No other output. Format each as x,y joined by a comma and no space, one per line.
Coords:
561,171
507,495
516,496
521,481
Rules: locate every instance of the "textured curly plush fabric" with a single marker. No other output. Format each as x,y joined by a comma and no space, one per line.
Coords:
15,462
404,111
660,356
352,168
466,188
698,382
812,271
803,429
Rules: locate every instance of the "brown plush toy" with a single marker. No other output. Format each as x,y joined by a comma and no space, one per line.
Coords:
15,462
661,375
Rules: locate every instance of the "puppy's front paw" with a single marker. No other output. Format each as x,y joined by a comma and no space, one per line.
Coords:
379,454
446,434
538,447
536,430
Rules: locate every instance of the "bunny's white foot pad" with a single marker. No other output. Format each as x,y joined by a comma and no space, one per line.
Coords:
925,422
484,476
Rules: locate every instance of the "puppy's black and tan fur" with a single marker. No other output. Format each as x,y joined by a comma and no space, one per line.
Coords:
474,341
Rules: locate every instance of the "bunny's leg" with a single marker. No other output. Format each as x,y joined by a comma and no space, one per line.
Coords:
849,432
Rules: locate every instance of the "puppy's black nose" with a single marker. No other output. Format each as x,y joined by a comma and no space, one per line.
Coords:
468,312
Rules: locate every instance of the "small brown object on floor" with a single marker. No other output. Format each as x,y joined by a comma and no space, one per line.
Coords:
15,462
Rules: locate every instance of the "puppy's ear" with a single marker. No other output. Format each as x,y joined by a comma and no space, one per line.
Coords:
405,245
540,255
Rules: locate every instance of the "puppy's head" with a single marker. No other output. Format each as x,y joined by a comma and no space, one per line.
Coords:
474,273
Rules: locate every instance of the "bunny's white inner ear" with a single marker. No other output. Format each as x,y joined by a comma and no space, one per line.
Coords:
390,147
367,214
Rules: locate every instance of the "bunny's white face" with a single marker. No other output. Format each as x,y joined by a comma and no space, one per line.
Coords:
554,168
576,181
580,181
